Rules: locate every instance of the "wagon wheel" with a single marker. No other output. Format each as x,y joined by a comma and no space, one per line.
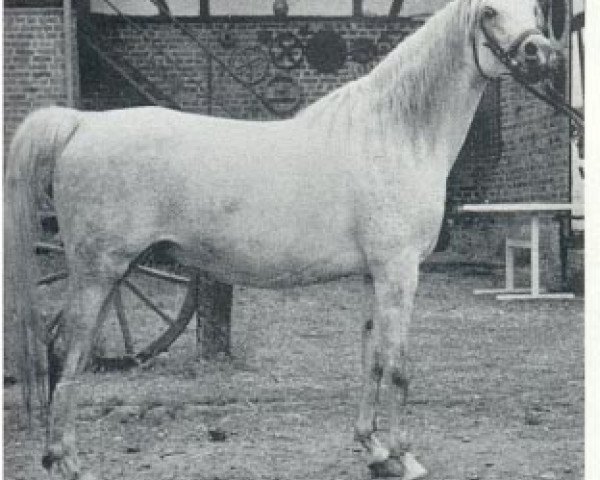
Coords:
283,95
173,326
286,50
250,64
159,326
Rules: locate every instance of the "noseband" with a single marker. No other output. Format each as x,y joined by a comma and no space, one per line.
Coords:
508,59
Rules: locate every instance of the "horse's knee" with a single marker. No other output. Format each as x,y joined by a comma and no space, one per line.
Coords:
376,370
399,370
399,378
401,381
363,431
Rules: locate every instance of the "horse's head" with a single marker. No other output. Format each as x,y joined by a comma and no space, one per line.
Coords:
508,37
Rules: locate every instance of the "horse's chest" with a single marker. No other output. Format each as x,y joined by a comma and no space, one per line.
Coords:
398,212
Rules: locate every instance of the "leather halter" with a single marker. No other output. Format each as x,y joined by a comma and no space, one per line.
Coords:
507,58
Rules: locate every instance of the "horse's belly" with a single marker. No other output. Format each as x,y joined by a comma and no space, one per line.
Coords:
270,264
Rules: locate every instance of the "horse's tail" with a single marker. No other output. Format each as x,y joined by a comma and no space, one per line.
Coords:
33,152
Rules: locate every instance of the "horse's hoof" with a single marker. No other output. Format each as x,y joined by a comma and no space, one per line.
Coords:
377,452
390,468
405,468
413,469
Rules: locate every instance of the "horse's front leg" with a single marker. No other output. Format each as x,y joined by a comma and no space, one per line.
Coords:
372,372
395,284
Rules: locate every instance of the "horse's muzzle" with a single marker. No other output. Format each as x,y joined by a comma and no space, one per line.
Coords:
538,58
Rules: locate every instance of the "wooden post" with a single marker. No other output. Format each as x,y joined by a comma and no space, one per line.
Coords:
357,8
68,34
509,266
83,10
396,7
204,9
535,255
213,314
209,83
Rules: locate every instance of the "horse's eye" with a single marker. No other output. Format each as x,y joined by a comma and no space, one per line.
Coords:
489,13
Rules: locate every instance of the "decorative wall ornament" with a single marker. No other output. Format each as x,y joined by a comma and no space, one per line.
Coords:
363,50
384,45
283,95
264,37
250,64
304,31
287,51
227,38
326,51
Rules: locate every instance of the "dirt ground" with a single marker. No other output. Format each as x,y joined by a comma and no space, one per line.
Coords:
497,392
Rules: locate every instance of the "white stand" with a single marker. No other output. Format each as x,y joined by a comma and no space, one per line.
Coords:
509,292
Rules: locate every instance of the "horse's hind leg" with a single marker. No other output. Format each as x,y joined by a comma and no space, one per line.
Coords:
86,308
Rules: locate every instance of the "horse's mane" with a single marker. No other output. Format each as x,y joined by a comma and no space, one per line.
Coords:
403,85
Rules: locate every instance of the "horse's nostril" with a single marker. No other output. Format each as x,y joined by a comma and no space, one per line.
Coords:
530,49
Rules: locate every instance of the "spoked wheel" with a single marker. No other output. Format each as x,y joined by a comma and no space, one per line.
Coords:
152,308
149,308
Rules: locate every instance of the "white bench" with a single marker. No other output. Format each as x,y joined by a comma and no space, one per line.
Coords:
509,292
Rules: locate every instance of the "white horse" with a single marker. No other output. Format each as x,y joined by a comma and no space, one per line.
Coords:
354,184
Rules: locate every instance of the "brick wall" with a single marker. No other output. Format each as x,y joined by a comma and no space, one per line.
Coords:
517,151
186,79
527,161
535,149
477,171
34,63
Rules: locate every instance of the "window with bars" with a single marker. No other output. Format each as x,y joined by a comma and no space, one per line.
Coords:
221,8
295,8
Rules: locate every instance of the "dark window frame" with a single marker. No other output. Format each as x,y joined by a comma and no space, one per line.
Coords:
10,4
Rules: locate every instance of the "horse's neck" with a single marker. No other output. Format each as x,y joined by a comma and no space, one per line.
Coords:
430,89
